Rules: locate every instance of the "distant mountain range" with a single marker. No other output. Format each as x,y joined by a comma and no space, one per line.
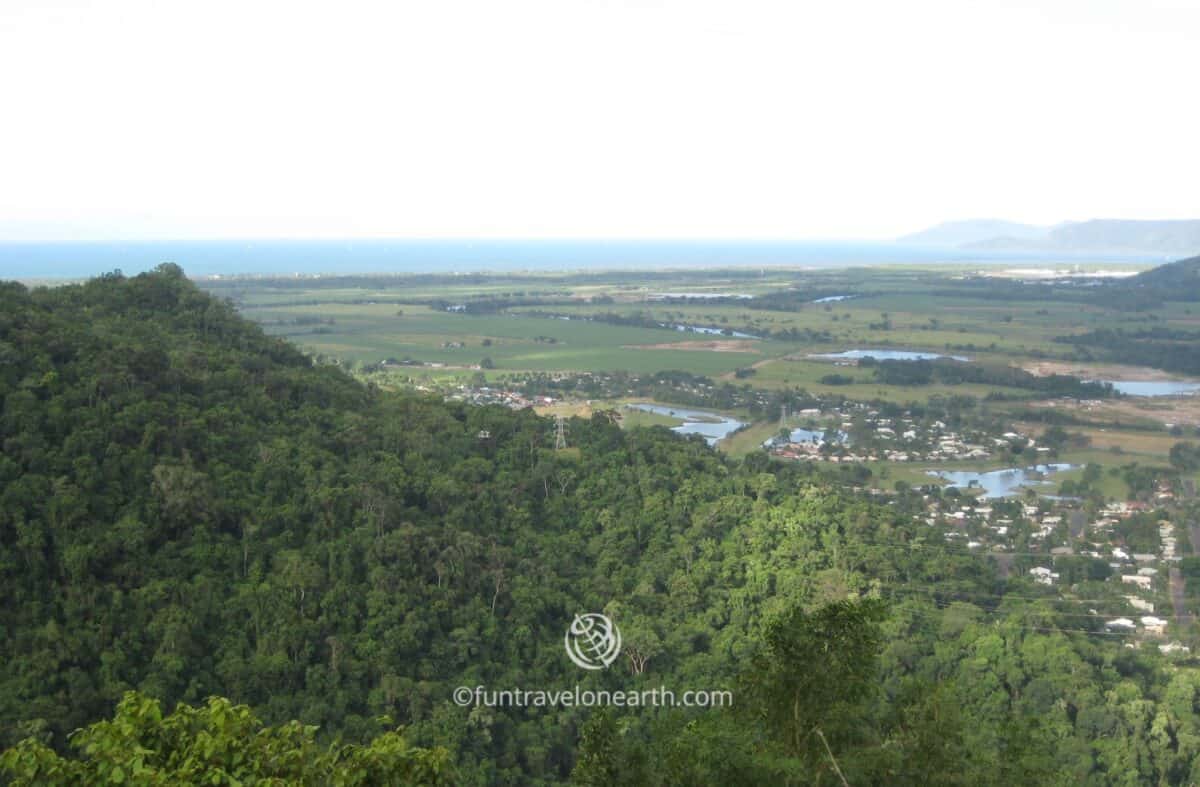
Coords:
1173,237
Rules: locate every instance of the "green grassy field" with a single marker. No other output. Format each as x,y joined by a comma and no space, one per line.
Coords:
749,439
631,419
375,332
784,373
371,323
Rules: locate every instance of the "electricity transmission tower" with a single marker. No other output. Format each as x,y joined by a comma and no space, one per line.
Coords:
560,432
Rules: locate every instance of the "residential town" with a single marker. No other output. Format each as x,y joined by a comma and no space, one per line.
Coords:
856,432
1119,564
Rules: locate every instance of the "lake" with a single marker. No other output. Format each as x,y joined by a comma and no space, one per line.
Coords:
887,355
1000,483
1153,388
712,426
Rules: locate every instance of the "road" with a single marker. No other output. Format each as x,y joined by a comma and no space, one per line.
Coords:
1178,598
1179,582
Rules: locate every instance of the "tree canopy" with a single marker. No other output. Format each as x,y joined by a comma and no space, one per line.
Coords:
193,512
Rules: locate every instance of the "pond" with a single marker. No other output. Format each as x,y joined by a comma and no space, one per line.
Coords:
833,298
816,436
887,355
712,331
698,296
712,426
1000,483
1153,388
683,327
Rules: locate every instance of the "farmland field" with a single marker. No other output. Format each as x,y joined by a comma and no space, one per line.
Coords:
757,331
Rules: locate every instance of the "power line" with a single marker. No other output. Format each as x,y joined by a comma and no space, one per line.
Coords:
943,604
951,548
931,615
913,587
1028,610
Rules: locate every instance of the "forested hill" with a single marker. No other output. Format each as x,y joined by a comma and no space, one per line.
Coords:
189,508
1180,279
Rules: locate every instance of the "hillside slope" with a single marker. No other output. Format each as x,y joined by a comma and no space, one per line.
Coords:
1181,277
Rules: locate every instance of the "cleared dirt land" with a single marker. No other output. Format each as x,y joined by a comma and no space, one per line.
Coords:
1095,371
1182,410
716,345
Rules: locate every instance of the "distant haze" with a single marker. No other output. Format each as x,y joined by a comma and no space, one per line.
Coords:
590,118
958,233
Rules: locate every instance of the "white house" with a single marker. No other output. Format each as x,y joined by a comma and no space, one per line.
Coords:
1043,576
1140,604
1153,625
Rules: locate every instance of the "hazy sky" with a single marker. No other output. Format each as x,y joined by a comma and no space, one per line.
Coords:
629,118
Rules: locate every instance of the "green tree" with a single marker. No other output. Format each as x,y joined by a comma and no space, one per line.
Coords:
220,744
1185,457
814,671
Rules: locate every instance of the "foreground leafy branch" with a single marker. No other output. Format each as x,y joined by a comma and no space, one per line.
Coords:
219,744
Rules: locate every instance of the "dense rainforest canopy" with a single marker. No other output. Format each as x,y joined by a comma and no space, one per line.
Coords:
191,510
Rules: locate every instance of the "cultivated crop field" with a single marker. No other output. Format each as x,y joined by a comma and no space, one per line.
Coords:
759,329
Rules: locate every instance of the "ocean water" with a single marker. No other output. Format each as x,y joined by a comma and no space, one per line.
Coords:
283,257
